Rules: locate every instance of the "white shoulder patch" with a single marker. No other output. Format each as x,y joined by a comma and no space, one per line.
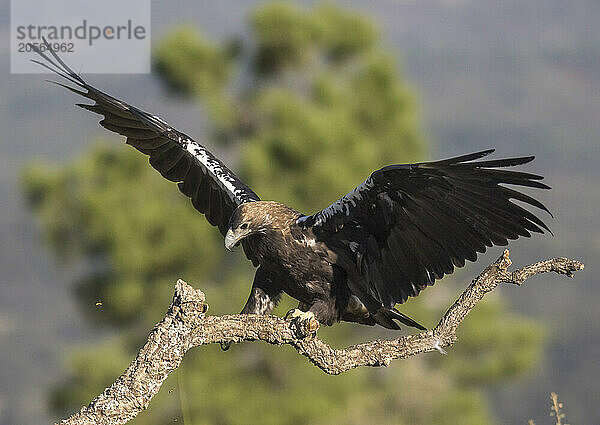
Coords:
216,170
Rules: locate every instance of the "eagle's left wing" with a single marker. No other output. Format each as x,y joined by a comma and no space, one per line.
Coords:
214,190
408,225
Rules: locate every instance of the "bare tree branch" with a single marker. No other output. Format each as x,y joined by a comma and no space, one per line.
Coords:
185,326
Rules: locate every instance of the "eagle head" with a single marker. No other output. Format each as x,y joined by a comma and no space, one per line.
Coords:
249,219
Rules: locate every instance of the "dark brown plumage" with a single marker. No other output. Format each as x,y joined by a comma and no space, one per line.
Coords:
396,233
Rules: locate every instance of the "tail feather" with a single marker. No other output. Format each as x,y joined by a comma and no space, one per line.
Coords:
386,318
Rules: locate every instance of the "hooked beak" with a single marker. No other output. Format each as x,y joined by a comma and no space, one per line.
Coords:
233,238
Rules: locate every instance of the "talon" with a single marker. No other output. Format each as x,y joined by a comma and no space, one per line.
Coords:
305,323
312,325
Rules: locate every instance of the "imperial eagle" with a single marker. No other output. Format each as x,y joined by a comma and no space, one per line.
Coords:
396,233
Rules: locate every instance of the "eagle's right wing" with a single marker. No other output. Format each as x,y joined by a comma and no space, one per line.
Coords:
214,190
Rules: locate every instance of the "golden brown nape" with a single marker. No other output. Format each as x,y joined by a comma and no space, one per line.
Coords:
258,217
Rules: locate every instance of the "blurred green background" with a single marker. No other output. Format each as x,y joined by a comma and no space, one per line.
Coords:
303,100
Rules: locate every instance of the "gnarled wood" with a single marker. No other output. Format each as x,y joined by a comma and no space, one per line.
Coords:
185,326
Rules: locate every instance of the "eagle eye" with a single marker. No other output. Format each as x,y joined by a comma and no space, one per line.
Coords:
244,226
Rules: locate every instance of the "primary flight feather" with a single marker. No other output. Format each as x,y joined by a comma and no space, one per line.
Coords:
397,232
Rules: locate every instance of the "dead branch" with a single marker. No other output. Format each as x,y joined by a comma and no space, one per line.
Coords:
185,326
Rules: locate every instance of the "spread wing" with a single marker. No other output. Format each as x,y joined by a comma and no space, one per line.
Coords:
214,190
408,225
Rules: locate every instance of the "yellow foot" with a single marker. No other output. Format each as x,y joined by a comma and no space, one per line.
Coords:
304,322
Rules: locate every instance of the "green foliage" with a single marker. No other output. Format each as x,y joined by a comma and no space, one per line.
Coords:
487,353
322,107
91,372
284,35
305,136
289,37
112,208
184,49
401,394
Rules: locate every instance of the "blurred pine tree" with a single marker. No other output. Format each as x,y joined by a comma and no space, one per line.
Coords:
309,104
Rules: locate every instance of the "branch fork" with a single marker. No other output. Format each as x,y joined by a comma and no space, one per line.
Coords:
186,325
